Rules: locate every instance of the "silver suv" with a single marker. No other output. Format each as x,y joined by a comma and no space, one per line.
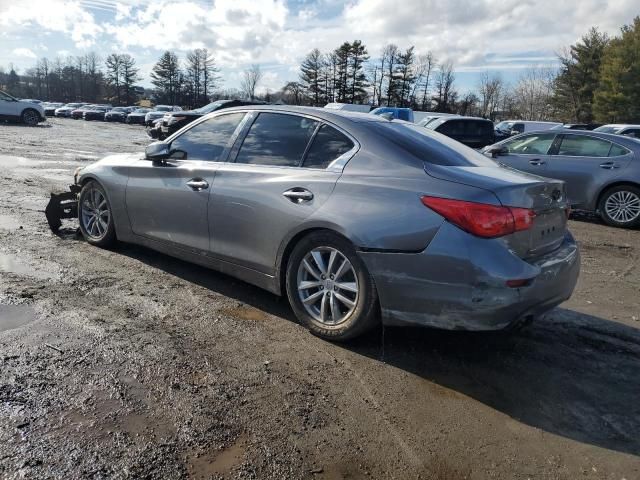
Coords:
23,111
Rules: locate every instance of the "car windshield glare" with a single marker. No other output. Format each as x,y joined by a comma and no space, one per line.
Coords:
208,108
430,146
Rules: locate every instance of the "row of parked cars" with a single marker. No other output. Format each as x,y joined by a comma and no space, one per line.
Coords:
107,112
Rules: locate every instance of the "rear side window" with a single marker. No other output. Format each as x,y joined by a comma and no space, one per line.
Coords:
276,139
451,128
617,150
583,146
475,128
327,145
207,140
535,144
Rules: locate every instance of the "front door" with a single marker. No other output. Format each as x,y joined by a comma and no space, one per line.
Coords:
528,153
169,200
281,175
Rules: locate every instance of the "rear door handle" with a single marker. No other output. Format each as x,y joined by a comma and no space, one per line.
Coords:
197,184
298,195
609,165
537,161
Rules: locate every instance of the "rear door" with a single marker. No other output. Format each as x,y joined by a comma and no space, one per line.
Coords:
528,153
586,163
168,201
280,172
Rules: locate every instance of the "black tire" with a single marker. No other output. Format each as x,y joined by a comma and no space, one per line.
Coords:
30,117
101,234
614,196
362,317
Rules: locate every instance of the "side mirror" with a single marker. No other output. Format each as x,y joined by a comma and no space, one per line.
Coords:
157,151
495,151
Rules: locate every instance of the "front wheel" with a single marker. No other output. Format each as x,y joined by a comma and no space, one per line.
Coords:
30,117
329,288
95,216
620,206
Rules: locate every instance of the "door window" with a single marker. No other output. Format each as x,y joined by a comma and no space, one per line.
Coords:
617,151
518,127
277,139
207,140
535,144
327,145
583,146
631,132
451,128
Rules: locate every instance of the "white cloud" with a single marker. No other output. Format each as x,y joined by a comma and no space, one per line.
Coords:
23,52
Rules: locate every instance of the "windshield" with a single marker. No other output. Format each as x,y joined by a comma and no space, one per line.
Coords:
504,126
142,110
119,109
209,108
162,108
608,129
430,146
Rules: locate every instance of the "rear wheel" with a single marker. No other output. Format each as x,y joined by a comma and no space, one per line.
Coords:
620,206
329,288
30,117
96,219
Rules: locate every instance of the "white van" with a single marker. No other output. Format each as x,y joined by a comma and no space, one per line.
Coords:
507,128
350,107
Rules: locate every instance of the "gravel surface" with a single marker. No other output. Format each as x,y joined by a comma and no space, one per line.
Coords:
131,364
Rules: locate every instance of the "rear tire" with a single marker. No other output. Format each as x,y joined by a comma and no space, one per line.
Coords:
620,206
30,117
95,215
329,288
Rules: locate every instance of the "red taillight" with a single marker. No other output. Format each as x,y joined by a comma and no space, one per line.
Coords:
481,219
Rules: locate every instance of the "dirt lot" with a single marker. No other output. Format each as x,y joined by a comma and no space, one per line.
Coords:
130,364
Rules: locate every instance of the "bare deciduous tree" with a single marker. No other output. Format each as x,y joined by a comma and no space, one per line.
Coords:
250,79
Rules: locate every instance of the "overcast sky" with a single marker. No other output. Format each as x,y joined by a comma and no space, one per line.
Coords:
505,36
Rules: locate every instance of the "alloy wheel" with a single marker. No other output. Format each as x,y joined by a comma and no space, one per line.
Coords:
95,214
30,117
623,206
327,285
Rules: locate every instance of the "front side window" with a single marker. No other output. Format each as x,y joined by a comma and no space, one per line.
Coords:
478,128
451,128
583,146
207,140
535,144
327,145
5,97
277,139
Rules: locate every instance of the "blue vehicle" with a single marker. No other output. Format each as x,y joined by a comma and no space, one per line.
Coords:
398,113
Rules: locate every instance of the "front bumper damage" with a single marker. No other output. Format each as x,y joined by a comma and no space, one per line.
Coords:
62,205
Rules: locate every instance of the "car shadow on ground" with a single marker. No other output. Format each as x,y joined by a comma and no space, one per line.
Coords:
569,374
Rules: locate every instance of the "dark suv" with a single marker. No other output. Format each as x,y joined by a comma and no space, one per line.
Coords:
174,121
472,131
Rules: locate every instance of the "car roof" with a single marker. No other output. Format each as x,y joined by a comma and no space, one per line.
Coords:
462,117
324,113
611,137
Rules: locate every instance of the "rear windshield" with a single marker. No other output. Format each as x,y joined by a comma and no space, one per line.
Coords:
430,146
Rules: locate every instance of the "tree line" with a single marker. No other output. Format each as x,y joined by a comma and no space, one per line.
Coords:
596,81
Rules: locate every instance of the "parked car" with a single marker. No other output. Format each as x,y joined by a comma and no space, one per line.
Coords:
508,128
137,116
32,100
348,107
66,110
577,126
117,114
78,112
405,114
14,110
602,171
473,132
96,113
50,108
174,121
299,201
620,129
158,112
426,119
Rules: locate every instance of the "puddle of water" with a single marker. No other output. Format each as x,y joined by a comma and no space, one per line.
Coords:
10,265
9,223
246,313
213,463
14,316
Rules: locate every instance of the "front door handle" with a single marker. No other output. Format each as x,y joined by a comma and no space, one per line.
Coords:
197,184
537,161
609,165
298,195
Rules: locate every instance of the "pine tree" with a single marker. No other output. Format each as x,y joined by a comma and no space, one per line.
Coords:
165,76
404,77
312,77
357,58
618,98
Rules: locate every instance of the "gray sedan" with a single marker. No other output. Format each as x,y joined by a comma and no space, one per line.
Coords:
602,171
357,219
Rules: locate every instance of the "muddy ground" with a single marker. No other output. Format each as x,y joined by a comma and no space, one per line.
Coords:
131,364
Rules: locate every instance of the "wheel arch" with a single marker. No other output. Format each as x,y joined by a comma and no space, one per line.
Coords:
27,108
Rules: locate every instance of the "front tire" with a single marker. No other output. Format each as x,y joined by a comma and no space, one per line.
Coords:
620,206
30,117
95,216
329,288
